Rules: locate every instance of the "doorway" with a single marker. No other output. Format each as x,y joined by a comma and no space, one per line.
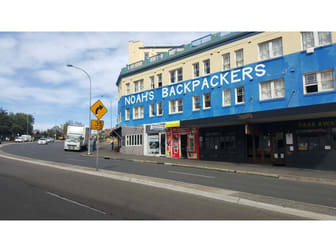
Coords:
163,144
184,144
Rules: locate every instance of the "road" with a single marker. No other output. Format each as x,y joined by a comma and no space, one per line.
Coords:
37,192
318,194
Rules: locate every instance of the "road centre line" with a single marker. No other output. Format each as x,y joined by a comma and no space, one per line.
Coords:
191,174
75,202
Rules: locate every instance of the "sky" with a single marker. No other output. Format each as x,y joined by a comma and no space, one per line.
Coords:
34,78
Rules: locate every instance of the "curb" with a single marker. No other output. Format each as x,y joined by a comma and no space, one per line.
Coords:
256,173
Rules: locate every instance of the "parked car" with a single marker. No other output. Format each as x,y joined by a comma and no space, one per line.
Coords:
50,139
42,141
19,140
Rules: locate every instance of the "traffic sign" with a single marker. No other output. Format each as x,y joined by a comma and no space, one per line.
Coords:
98,109
97,124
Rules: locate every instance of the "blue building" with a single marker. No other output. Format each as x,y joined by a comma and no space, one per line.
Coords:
261,97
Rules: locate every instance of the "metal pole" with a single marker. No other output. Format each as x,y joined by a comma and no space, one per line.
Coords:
97,158
89,142
27,123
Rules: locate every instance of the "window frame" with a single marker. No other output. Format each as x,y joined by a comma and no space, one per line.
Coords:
316,40
319,82
139,110
127,114
272,84
177,74
176,101
152,82
204,67
140,84
236,95
270,49
159,80
236,51
151,110
157,109
223,62
198,70
128,88
223,96
204,101
193,103
134,140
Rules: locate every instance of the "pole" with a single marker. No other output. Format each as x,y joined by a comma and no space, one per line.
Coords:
97,142
27,123
89,142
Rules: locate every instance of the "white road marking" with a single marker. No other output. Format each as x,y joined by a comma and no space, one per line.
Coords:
75,202
73,159
191,174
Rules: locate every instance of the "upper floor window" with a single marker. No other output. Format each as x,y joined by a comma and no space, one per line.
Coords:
206,66
138,86
206,101
226,61
240,95
146,56
176,75
317,82
159,111
138,112
315,39
196,70
152,82
151,110
127,114
226,97
272,89
176,106
128,90
196,102
270,49
159,79
239,57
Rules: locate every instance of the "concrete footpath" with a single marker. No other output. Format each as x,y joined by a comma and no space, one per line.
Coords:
279,172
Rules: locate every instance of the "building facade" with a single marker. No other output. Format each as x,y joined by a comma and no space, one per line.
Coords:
261,97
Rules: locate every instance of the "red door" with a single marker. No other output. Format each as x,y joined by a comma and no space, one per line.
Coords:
176,146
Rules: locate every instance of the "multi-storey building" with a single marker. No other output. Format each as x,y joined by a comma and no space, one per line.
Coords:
262,97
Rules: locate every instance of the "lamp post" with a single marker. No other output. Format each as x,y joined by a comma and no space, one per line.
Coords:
89,150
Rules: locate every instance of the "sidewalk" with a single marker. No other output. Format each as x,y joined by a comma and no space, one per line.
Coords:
278,172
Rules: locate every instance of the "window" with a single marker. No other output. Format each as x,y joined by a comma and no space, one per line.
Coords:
206,101
239,58
196,70
152,82
270,49
176,75
206,66
128,91
138,86
196,102
134,140
226,97
138,112
315,39
191,146
226,61
127,114
159,111
146,55
319,82
151,110
240,95
159,79
175,106
272,89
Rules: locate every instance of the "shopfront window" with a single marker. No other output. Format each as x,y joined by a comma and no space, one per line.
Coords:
191,143
175,145
312,139
153,143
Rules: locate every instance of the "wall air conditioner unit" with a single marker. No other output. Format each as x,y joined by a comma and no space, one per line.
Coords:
310,50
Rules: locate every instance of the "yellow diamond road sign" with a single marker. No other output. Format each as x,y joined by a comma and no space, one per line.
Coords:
97,124
98,109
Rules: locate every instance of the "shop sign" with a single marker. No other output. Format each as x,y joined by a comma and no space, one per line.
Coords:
317,124
198,85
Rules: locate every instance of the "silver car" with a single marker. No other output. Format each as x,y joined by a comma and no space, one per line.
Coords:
42,141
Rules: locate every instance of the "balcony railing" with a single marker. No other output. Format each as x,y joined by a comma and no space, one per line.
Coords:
173,51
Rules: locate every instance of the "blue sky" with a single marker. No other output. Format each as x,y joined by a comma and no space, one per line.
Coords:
34,78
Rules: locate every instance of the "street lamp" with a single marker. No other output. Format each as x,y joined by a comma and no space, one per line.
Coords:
68,65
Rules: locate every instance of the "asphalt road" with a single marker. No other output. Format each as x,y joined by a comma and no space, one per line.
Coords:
37,192
290,190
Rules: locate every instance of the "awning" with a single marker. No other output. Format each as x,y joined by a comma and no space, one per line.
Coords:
172,124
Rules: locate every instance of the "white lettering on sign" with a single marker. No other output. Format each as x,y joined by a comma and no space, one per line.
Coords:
211,81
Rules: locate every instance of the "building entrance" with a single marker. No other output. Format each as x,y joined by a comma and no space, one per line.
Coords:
184,144
163,144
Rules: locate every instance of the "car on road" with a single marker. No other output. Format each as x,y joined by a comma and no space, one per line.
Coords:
19,140
42,141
